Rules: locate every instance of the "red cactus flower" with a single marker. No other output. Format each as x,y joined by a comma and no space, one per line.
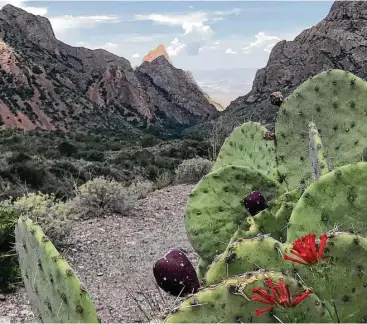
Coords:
305,249
278,295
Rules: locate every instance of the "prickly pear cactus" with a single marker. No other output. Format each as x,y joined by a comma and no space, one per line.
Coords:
246,255
250,145
56,294
336,200
256,297
335,102
201,269
215,208
317,154
320,140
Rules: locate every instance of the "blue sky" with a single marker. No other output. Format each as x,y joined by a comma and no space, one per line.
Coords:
202,35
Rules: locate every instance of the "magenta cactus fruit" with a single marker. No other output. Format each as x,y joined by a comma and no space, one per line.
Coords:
255,203
175,274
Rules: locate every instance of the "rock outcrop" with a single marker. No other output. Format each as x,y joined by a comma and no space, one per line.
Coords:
154,53
48,84
339,41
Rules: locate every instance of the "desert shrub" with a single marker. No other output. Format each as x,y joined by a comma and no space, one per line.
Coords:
51,214
191,171
43,209
140,189
151,172
149,141
67,149
164,162
92,156
164,179
30,173
18,157
9,269
102,196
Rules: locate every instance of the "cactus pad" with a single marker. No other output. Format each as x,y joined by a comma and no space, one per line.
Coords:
215,209
54,290
249,145
317,154
336,200
335,102
231,302
243,255
201,269
339,278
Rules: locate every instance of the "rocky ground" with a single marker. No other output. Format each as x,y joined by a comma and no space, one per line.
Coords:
114,257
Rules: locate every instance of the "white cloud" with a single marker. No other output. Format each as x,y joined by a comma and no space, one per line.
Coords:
175,47
262,41
190,23
136,38
41,11
136,55
230,51
207,49
197,32
61,24
218,19
110,47
234,11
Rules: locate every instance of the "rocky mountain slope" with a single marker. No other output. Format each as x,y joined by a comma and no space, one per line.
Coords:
47,84
156,52
159,52
339,41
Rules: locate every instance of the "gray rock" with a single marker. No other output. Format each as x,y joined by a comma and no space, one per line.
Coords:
337,42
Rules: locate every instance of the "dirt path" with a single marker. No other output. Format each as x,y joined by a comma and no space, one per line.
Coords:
114,257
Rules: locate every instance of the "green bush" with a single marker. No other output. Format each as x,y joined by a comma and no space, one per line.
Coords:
96,156
31,173
67,149
101,196
191,171
9,269
18,157
43,209
51,214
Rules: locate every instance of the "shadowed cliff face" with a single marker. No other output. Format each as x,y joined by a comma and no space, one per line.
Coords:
339,41
48,84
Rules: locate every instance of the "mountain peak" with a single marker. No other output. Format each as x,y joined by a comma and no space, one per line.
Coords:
36,28
154,53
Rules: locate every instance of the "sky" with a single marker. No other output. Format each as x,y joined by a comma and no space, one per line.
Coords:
205,35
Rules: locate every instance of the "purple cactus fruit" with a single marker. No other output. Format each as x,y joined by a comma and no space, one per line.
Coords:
175,274
255,203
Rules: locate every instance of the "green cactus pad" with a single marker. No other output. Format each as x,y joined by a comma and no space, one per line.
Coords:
336,102
230,302
341,278
317,154
215,209
243,255
53,289
336,200
201,269
249,146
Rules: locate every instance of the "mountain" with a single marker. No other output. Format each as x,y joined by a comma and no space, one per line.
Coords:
160,52
154,53
338,41
48,84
